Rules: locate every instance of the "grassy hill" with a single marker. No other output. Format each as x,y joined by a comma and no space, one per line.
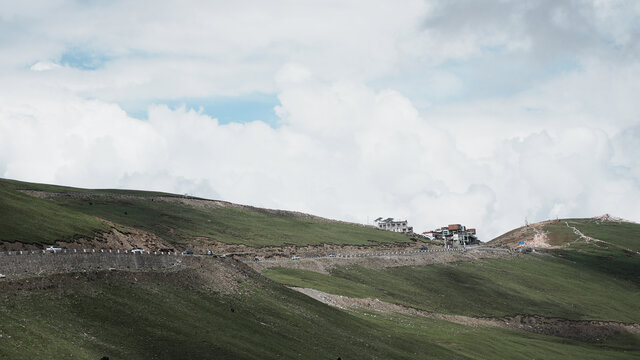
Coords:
545,285
612,247
594,278
175,316
66,214
222,309
580,280
559,233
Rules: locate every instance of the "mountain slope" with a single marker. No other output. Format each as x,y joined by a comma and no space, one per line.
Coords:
602,244
202,307
564,232
176,315
44,214
580,278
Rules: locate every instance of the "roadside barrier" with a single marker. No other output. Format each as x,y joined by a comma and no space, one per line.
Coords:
360,255
118,252
25,263
85,251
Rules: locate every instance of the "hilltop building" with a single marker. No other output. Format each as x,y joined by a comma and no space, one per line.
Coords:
389,224
453,234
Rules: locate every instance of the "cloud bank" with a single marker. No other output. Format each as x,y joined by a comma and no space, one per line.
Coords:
483,113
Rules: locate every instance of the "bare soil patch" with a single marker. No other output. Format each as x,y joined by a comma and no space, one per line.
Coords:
584,330
120,237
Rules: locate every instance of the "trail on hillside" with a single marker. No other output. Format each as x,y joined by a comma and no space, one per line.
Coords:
585,330
583,236
589,239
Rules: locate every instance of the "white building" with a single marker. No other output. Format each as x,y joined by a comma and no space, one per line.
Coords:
389,224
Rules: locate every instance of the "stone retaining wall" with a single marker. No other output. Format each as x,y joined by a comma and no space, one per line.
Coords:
17,265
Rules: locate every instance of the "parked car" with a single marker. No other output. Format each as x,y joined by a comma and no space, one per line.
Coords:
2,276
187,252
54,249
295,257
424,248
137,251
210,253
332,255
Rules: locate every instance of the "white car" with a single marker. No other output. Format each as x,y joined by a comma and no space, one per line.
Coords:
137,251
295,258
2,276
54,249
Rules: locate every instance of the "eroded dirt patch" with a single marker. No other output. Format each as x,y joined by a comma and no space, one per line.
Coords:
120,237
584,330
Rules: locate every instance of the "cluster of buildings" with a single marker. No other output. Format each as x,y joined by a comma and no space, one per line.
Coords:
450,235
453,234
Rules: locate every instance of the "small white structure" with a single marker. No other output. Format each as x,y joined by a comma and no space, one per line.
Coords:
389,224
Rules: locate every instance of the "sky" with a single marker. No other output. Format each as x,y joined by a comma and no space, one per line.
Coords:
484,113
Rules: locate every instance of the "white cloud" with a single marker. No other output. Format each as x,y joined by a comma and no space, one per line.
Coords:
44,66
343,151
349,143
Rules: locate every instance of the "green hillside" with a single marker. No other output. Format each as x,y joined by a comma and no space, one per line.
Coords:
27,219
621,234
222,309
579,280
173,316
614,250
534,285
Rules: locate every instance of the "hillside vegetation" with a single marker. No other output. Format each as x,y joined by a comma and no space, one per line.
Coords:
544,286
583,279
174,316
584,269
559,233
27,219
66,214
610,247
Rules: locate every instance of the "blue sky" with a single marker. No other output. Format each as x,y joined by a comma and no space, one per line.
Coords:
82,58
227,109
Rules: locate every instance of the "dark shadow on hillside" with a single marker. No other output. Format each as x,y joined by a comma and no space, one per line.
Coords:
618,263
473,294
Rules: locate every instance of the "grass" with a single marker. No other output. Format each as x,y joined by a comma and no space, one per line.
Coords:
616,263
146,316
133,317
624,235
544,285
558,233
22,185
178,223
620,234
31,220
617,255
